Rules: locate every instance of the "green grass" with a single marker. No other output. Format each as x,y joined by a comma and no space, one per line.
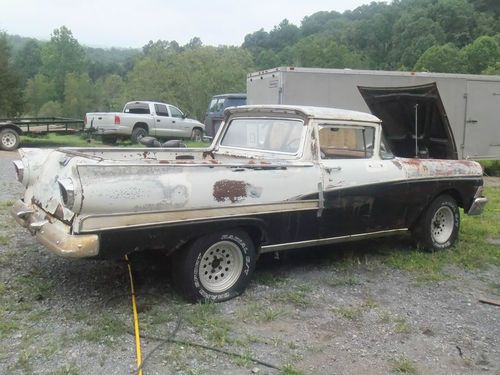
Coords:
403,365
261,312
491,167
81,140
471,252
104,329
298,296
289,369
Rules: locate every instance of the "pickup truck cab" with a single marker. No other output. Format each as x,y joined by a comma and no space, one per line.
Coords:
275,178
142,118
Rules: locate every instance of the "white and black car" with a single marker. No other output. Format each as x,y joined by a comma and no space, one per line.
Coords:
274,178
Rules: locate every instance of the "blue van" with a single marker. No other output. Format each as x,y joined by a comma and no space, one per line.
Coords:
215,112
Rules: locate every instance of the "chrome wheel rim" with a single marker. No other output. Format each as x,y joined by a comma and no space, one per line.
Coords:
9,140
442,224
221,266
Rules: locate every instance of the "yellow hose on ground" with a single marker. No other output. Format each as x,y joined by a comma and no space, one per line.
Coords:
136,319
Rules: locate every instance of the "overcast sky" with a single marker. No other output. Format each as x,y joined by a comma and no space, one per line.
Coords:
127,23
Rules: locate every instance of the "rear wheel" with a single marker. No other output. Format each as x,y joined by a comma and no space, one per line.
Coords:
196,134
138,133
438,227
215,267
9,139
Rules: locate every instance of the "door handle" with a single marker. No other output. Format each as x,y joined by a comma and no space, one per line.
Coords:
157,120
173,121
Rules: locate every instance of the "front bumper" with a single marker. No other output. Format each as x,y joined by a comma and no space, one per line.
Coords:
477,206
54,234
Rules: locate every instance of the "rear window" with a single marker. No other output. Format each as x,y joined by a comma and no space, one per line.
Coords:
233,102
264,134
138,108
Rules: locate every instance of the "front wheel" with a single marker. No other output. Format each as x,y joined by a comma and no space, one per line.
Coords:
9,139
215,267
438,227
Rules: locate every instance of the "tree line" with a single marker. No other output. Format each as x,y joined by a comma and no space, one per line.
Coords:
63,78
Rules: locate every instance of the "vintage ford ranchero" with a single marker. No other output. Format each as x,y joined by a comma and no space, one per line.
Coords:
274,178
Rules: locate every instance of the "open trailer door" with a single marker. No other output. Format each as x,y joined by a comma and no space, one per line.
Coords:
414,120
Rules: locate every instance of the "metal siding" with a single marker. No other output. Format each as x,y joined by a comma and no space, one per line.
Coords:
482,126
338,88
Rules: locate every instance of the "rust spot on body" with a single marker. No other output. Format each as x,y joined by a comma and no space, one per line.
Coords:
234,190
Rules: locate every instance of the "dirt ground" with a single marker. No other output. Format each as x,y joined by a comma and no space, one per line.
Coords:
335,310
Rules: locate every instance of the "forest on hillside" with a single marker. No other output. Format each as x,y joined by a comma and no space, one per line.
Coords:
60,77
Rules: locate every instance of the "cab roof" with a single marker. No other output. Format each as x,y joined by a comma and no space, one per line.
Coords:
325,113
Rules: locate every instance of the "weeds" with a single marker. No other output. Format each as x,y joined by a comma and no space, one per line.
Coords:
403,365
351,313
298,296
289,369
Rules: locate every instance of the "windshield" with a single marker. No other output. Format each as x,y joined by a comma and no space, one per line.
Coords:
265,134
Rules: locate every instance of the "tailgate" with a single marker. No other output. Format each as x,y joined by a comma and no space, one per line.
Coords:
101,120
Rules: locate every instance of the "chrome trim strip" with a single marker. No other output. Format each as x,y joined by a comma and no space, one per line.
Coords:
94,223
331,240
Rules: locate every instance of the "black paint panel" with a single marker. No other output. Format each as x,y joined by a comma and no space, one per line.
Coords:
353,210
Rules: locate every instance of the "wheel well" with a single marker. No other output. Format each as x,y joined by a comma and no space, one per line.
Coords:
454,194
141,125
197,127
256,234
451,192
17,129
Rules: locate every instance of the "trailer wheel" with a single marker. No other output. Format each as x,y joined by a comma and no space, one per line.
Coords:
215,267
9,139
138,133
438,227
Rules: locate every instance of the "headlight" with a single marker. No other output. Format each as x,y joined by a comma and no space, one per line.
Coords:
67,190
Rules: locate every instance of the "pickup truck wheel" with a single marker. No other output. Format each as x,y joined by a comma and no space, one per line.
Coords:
215,267
196,134
138,133
438,227
9,140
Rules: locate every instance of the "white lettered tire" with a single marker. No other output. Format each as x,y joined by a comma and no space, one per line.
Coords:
439,225
215,267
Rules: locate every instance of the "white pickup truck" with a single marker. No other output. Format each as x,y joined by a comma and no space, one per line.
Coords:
142,118
275,178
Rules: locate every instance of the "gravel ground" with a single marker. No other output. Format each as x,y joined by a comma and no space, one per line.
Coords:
337,310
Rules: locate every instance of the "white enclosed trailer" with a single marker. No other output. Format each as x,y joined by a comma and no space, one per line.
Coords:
468,104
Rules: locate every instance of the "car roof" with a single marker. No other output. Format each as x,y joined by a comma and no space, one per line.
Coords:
231,95
326,113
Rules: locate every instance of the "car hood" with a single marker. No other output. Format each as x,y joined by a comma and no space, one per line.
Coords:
397,107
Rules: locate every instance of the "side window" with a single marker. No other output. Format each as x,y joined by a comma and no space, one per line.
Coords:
161,110
176,112
346,142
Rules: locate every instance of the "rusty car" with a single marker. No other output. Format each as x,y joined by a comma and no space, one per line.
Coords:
274,178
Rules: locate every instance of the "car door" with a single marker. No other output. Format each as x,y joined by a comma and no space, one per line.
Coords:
162,120
361,192
182,127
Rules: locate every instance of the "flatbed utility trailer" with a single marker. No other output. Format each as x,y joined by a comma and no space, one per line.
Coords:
12,128
467,104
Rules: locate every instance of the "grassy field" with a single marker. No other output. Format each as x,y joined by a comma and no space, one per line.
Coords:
474,250
80,140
